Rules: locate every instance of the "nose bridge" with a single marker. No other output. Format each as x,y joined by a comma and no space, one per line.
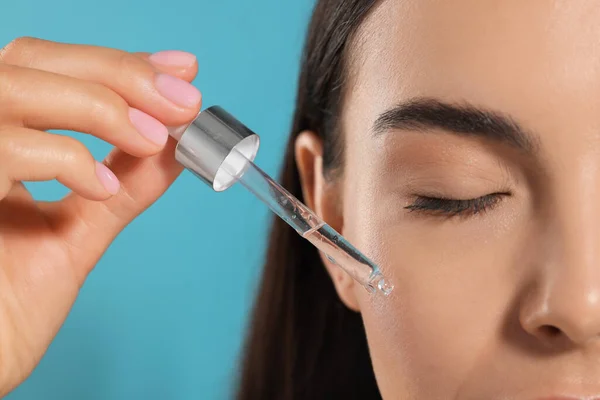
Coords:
571,274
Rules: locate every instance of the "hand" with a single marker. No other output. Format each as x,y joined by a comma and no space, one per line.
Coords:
48,248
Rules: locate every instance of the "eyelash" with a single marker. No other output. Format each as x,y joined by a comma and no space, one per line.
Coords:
443,207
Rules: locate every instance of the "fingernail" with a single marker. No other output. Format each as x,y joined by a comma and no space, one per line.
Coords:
107,178
178,91
173,58
148,126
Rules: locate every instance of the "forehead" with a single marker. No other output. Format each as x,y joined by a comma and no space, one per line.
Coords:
537,60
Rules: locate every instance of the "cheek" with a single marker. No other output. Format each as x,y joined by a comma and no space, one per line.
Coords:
429,335
453,285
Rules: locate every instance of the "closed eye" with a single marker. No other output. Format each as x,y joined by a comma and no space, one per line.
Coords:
446,207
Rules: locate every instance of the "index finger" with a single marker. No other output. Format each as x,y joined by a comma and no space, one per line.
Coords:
143,85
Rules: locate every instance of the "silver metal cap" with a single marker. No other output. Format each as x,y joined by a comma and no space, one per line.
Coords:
206,143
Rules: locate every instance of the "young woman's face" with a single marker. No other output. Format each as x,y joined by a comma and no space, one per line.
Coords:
472,176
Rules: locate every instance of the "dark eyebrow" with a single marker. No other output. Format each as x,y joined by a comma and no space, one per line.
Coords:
464,119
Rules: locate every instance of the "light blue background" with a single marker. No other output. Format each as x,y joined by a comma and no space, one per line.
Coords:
163,315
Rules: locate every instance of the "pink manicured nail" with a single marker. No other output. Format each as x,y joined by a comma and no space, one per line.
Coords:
173,58
177,90
148,126
107,178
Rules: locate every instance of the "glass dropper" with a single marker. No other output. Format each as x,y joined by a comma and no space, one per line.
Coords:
220,150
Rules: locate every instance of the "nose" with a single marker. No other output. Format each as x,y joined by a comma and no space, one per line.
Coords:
564,315
563,306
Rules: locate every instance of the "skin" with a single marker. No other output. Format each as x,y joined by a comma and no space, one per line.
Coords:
48,249
504,304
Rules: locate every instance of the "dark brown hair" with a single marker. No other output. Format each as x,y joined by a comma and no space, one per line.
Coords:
303,342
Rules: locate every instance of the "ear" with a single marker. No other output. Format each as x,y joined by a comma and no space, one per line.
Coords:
324,198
